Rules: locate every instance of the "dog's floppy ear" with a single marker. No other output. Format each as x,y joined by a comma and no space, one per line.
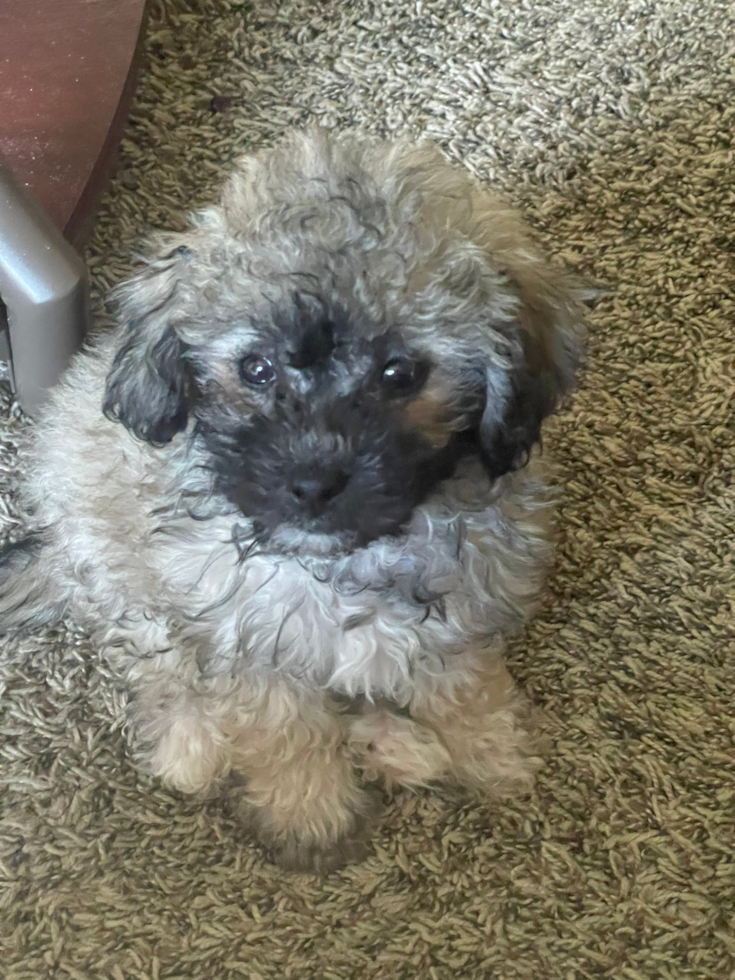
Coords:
546,351
147,387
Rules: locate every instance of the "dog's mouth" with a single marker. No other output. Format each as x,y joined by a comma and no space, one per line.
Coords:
329,503
287,539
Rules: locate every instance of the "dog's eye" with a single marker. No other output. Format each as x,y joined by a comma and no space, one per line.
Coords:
400,373
257,370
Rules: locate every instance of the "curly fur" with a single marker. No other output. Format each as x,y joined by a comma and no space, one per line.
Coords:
291,654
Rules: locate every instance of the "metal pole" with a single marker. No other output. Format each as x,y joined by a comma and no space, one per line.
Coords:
43,294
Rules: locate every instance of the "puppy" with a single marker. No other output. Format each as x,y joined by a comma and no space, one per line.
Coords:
293,496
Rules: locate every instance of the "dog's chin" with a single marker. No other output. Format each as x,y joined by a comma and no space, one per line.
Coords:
297,542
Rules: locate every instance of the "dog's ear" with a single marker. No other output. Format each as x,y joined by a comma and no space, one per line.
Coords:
147,387
545,353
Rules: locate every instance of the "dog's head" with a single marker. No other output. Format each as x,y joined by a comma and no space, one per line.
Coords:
351,321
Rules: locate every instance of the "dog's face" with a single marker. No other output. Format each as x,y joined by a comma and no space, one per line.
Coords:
351,322
327,429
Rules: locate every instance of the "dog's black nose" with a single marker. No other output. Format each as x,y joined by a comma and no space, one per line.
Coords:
316,490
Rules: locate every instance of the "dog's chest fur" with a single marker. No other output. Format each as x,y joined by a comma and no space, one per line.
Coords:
374,621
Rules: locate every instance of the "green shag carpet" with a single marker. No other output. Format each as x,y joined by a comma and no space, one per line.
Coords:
610,122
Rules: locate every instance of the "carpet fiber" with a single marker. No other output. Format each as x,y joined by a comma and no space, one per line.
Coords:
610,123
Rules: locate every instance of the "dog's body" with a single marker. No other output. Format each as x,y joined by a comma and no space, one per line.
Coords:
305,543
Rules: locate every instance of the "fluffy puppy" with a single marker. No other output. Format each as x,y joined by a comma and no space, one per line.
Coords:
293,495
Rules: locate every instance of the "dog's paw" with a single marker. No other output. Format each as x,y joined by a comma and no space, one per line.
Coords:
183,751
398,749
316,840
502,758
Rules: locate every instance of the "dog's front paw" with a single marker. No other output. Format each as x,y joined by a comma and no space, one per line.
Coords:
398,749
498,758
183,748
489,730
317,833
312,854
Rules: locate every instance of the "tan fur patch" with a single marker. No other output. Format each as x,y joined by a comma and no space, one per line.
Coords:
434,415
224,385
484,726
536,324
302,795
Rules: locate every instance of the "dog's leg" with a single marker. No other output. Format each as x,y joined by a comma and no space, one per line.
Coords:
178,732
301,794
483,725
